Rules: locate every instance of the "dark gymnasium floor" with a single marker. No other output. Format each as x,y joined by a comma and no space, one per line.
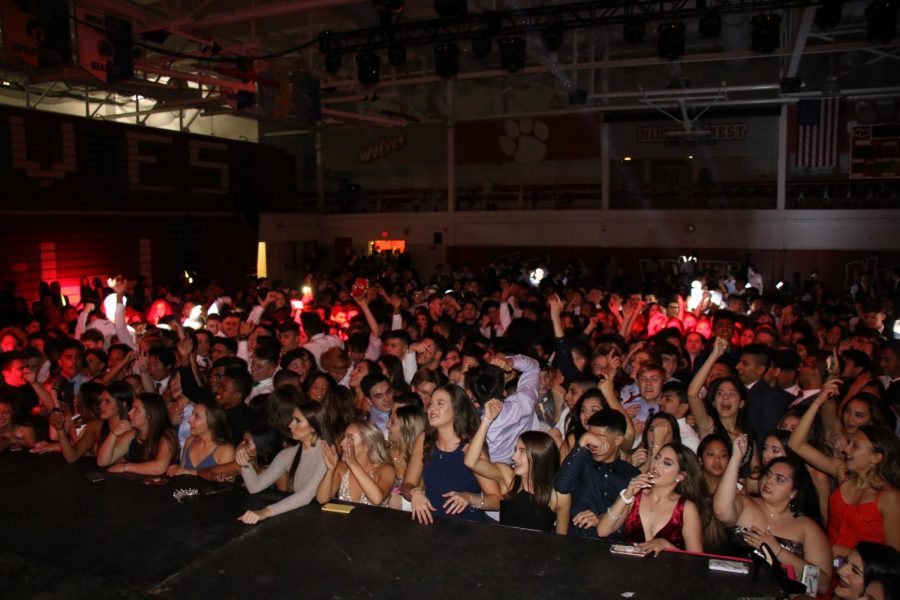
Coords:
64,537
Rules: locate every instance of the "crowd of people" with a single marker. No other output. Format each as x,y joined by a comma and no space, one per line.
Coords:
651,415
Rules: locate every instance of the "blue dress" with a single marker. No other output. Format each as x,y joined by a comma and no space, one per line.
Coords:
446,472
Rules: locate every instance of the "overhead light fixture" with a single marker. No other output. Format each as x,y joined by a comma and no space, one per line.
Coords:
881,17
829,14
481,44
512,53
710,23
446,60
552,37
396,55
368,68
670,40
451,8
332,63
766,33
634,30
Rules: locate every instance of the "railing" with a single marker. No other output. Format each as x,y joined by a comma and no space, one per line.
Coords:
745,195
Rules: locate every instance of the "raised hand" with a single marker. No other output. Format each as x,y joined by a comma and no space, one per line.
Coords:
492,410
330,455
739,446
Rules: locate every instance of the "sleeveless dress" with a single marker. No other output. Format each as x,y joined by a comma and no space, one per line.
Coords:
446,472
344,491
208,462
520,510
849,524
634,529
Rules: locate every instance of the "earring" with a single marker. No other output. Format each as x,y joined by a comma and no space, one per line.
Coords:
793,504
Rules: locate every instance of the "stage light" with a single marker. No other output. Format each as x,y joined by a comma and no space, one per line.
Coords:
481,44
829,14
627,159
446,60
512,53
779,285
634,30
552,37
332,63
536,276
710,23
368,68
397,55
670,40
451,8
881,17
766,34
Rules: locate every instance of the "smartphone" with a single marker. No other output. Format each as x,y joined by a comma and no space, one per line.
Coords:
625,550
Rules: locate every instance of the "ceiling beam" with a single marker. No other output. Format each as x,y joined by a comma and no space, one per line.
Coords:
245,15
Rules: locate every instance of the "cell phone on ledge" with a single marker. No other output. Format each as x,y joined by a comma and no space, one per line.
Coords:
625,550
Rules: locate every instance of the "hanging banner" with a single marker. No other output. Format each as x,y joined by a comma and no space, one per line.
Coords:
37,32
104,45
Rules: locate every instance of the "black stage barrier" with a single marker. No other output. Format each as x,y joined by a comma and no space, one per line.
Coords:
64,536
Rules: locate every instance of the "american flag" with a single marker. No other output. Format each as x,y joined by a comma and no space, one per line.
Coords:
817,132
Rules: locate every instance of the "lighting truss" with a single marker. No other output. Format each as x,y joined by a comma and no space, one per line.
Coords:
521,21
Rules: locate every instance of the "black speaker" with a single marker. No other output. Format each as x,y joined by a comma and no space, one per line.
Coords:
438,238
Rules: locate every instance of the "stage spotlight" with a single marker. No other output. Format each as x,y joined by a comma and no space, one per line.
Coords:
481,44
881,16
368,68
633,30
446,60
333,63
710,23
451,8
829,14
512,53
670,40
396,55
766,34
552,36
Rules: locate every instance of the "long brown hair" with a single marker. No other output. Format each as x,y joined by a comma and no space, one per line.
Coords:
465,419
693,488
543,458
159,429
315,413
885,443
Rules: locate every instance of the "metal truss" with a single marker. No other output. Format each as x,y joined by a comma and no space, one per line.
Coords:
527,20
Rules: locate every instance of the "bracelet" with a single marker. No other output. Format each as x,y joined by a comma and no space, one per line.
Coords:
780,549
480,506
624,499
611,515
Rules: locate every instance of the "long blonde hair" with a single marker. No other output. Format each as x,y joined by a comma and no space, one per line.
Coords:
374,439
412,423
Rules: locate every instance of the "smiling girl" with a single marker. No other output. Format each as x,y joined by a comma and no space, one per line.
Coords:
529,501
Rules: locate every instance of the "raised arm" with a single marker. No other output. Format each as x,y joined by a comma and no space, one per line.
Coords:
614,518
798,441
612,399
376,489
475,459
727,505
329,485
704,421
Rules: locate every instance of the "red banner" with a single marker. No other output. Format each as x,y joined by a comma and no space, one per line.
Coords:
529,139
36,33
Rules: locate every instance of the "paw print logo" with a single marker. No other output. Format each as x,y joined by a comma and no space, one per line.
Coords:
525,140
